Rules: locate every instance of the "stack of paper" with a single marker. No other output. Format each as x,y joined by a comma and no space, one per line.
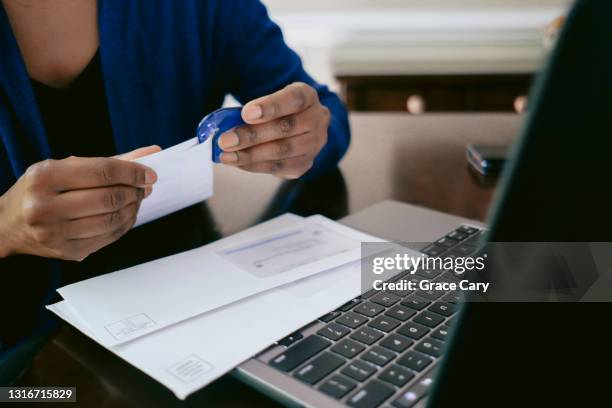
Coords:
187,319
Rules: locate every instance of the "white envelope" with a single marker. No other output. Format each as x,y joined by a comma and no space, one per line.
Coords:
189,355
184,177
124,305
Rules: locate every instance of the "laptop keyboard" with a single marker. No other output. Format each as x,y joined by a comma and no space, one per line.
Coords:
382,347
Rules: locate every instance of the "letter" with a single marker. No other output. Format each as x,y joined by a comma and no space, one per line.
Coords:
480,262
397,261
416,262
459,266
377,284
434,263
424,285
377,268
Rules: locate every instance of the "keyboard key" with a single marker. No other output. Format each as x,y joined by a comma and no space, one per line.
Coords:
384,323
415,279
369,294
400,292
319,367
444,309
453,255
337,386
379,356
401,313
415,302
428,273
349,305
430,346
416,392
399,276
396,342
464,249
428,319
366,335
290,339
414,360
348,348
358,370
352,320
441,333
457,235
329,317
448,276
396,375
446,243
302,351
431,294
371,395
434,250
385,299
333,331
369,309
453,297
413,330
475,239
407,399
467,229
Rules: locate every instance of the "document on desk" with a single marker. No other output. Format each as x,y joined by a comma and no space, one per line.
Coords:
184,177
124,305
189,355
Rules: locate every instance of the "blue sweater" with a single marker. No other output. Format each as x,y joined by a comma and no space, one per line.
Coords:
166,63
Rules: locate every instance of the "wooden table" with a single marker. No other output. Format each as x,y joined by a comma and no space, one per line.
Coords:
416,159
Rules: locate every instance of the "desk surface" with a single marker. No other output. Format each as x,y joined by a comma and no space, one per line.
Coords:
420,160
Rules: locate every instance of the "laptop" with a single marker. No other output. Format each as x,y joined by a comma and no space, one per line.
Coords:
416,349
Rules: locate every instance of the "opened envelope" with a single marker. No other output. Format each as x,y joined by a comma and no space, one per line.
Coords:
189,355
128,304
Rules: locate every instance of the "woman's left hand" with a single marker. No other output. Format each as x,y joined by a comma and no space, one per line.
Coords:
285,132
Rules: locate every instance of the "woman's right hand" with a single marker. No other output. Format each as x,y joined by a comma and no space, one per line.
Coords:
71,208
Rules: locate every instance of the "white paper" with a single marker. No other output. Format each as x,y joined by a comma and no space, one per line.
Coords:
184,177
127,304
189,355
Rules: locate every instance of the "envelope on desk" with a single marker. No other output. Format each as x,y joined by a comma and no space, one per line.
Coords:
125,305
189,355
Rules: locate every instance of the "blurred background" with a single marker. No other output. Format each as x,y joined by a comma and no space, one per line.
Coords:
421,56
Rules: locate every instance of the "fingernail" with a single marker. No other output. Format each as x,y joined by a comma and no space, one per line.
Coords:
229,140
231,157
252,112
148,191
150,177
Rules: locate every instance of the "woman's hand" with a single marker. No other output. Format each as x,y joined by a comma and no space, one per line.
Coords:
71,208
285,132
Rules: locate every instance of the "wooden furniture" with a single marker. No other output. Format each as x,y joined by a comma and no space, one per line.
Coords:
420,160
439,93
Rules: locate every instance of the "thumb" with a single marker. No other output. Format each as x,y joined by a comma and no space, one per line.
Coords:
138,153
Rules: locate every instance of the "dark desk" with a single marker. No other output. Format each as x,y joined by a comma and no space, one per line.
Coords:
416,159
